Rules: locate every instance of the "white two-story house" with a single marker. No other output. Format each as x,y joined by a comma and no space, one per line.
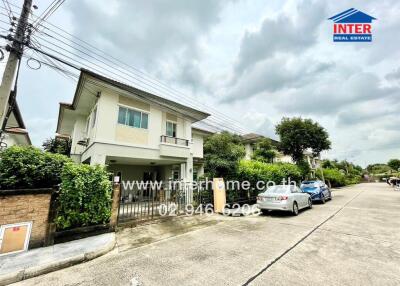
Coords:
138,135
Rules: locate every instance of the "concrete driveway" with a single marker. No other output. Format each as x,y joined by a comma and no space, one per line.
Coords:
352,240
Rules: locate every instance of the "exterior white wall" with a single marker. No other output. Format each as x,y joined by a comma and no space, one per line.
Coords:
79,133
108,138
107,116
10,140
197,145
157,126
249,151
284,159
107,122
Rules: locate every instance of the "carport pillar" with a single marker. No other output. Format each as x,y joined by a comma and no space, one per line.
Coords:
116,198
187,179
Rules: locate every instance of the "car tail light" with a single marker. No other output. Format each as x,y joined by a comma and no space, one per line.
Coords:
282,198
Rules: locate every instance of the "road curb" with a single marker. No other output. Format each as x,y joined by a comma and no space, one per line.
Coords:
34,271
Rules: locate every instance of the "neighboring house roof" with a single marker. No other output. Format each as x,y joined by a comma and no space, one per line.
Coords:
16,125
18,116
352,16
204,126
202,131
254,137
87,75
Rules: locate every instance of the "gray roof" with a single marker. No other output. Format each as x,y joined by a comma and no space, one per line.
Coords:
186,110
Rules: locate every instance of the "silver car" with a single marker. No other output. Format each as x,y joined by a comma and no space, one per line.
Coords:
284,198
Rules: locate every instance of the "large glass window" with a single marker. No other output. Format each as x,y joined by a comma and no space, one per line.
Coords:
145,120
171,129
133,118
122,115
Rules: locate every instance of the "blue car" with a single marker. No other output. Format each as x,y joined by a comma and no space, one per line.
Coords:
317,190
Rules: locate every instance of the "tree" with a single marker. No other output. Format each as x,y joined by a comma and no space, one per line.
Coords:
378,168
298,134
265,151
222,153
394,164
57,146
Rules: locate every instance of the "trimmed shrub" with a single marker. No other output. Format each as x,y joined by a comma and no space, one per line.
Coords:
29,167
335,177
353,179
85,196
255,171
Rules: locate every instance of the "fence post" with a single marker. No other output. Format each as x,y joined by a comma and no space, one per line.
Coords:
116,195
51,225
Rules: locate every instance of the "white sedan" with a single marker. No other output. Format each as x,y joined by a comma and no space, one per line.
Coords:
284,198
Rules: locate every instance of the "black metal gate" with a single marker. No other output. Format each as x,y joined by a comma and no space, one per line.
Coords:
155,202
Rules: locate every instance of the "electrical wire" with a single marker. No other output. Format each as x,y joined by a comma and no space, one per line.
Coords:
216,118
133,77
9,11
50,10
225,118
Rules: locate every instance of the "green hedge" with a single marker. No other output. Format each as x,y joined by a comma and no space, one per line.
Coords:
29,167
255,171
338,178
335,177
85,196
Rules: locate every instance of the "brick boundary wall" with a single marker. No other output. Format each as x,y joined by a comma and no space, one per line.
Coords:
28,205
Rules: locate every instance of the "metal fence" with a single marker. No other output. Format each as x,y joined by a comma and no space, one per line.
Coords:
241,197
164,201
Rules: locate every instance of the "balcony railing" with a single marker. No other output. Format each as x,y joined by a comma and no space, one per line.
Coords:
174,140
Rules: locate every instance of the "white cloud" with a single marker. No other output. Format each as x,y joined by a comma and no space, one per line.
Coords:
256,61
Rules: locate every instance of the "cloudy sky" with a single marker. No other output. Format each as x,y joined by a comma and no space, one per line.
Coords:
253,60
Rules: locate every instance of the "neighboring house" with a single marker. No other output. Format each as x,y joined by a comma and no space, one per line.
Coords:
250,140
139,135
15,132
250,143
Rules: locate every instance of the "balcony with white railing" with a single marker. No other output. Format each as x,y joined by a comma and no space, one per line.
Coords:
174,140
174,147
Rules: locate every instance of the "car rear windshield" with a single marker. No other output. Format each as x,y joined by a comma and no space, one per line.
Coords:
309,184
278,189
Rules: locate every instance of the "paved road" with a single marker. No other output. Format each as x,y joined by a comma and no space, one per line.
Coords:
352,240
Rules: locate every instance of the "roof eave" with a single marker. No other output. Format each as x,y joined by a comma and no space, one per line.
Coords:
18,116
197,115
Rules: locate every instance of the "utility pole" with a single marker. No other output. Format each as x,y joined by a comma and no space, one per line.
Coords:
15,55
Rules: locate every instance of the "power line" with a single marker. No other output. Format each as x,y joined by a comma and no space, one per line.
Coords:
8,11
238,124
78,68
156,86
49,11
218,117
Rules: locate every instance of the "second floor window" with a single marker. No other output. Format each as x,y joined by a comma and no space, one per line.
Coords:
133,118
171,129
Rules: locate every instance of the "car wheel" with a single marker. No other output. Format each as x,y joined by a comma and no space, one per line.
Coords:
310,203
264,212
323,200
295,209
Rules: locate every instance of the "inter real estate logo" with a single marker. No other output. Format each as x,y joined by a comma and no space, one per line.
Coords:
352,26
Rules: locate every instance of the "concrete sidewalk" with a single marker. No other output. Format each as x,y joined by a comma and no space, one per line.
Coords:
17,267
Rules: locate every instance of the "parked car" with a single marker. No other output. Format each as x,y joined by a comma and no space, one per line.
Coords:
284,198
318,190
